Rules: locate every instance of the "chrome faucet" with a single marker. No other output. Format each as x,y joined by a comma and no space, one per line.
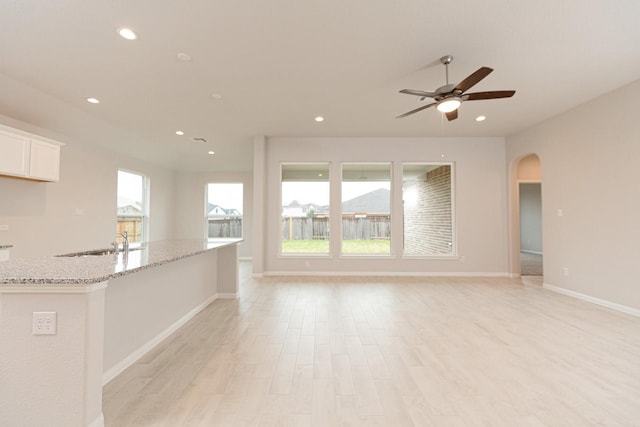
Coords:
125,242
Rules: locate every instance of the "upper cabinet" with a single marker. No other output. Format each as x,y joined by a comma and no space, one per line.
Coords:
28,156
14,154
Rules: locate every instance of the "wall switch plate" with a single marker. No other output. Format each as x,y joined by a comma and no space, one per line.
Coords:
44,323
565,271
4,227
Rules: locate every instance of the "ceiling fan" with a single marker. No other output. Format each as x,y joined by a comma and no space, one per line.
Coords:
449,97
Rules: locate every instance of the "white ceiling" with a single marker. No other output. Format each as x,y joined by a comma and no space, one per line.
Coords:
280,63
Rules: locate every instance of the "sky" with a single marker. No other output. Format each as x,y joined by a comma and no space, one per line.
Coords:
318,192
226,195
130,186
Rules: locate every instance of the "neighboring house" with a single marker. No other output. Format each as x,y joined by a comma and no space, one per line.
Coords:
216,210
128,207
373,202
297,210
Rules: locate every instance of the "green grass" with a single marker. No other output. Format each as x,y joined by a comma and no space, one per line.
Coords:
305,246
348,247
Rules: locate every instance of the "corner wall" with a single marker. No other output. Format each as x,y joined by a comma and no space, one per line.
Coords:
190,205
590,171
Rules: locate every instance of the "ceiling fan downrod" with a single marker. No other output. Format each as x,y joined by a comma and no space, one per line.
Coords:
446,60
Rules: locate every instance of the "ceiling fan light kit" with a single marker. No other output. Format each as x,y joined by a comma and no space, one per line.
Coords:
449,104
448,98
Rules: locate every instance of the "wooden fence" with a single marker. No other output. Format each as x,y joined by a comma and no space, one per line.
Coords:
225,227
372,227
133,227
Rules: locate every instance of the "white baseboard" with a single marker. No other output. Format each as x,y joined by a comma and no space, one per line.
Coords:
384,274
612,305
228,295
144,349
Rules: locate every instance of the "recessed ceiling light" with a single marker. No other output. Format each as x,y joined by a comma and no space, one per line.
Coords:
319,119
128,33
481,119
216,96
93,100
179,132
184,57
211,152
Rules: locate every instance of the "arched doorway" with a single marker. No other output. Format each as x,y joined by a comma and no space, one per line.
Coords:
527,239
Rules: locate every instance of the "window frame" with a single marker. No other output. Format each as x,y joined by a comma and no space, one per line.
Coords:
351,255
206,206
454,234
145,211
325,165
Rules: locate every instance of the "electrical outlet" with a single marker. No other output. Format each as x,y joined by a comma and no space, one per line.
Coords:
44,323
565,271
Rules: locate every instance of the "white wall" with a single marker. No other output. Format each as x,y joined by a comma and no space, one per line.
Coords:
42,217
480,195
190,204
590,171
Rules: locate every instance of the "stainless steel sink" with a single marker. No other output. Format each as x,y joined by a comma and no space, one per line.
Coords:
96,252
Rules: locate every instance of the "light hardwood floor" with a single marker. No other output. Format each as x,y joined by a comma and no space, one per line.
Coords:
388,352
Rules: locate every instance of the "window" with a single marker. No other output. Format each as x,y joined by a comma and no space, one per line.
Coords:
224,210
428,209
132,206
305,209
366,213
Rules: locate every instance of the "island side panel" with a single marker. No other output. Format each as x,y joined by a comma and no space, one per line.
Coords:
228,271
145,307
51,380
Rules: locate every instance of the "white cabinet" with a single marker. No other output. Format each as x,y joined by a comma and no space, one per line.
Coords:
28,156
45,161
14,154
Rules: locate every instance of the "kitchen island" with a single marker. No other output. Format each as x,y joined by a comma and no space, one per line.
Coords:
109,311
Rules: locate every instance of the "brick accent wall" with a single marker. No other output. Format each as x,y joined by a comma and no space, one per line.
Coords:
427,220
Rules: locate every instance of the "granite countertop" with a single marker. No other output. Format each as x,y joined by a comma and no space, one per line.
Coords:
85,270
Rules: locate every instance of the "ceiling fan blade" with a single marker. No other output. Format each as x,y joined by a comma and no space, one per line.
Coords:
452,115
418,93
489,95
473,79
416,110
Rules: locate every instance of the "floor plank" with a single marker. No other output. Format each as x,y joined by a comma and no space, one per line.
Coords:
374,351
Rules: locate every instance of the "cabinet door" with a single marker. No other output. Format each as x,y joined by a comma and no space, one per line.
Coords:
14,154
45,161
